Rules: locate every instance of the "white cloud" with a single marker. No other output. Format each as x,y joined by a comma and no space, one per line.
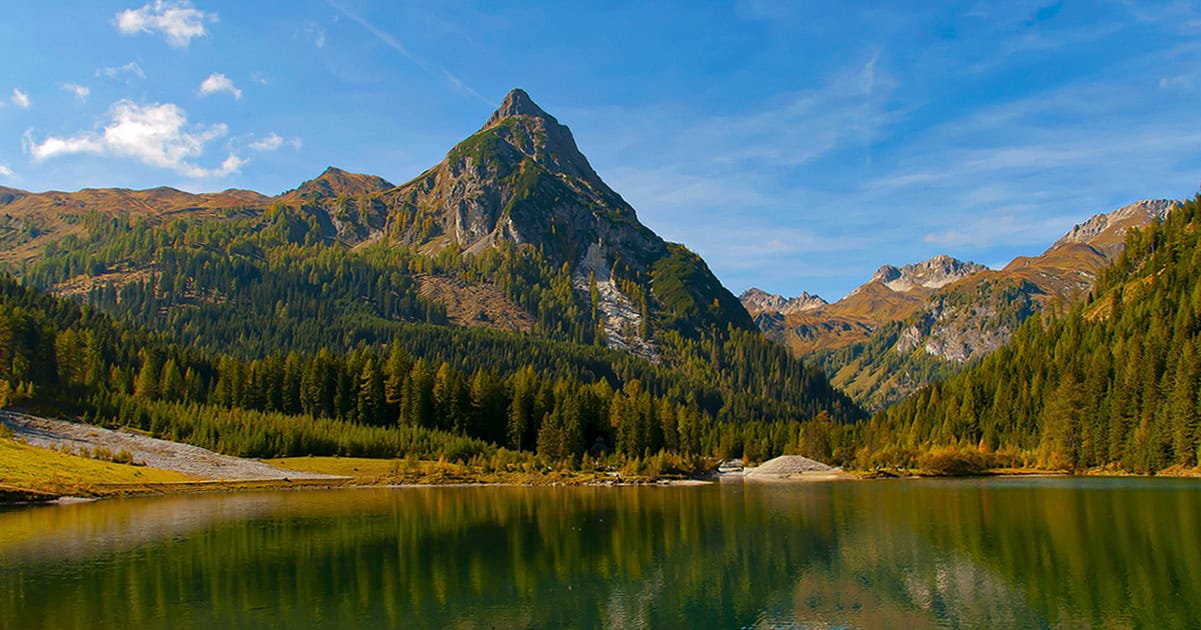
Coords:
5,170
270,143
156,134
274,141
54,147
177,21
80,91
217,82
20,98
123,73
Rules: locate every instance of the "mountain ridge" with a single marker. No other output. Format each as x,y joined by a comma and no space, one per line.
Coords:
974,316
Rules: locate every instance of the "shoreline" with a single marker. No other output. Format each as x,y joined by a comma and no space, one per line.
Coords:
15,497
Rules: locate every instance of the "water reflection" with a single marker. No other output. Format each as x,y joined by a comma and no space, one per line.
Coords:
998,553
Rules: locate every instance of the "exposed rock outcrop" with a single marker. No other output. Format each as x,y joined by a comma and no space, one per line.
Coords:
759,301
933,273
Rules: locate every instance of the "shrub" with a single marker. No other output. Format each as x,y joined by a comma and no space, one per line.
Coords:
953,461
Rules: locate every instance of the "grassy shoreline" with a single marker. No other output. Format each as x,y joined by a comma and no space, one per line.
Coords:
37,475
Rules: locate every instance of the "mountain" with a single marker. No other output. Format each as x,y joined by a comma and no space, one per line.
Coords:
934,273
758,301
892,293
335,182
1068,268
915,324
1111,383
521,179
512,231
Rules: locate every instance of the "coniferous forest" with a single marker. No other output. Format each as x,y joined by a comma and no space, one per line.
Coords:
1113,383
422,398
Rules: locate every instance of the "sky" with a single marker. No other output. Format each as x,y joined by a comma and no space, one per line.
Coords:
797,146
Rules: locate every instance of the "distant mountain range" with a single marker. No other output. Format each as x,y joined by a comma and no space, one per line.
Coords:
912,324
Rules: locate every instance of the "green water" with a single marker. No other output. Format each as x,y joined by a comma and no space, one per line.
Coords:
1089,553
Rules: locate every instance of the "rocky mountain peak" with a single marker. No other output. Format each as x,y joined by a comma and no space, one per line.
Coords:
520,129
932,273
756,301
517,103
1110,227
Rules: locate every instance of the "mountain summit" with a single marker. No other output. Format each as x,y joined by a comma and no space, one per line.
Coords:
522,179
335,182
932,273
757,301
517,103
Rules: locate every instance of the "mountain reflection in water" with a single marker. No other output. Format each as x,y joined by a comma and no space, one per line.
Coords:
911,554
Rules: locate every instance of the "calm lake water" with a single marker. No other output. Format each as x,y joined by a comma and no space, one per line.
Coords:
1031,553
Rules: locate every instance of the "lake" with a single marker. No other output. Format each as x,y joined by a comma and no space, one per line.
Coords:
1032,553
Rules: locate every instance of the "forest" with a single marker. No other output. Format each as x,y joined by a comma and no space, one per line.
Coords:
387,402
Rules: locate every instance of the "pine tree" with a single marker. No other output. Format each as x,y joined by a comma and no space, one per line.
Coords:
146,385
370,402
1184,415
172,387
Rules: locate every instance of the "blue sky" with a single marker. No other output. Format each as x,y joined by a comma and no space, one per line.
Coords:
796,146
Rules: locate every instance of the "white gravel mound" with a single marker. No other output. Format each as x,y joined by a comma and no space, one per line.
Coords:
787,465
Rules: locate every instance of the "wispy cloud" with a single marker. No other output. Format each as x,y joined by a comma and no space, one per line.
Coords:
20,98
388,40
156,135
178,22
5,170
81,92
124,73
274,141
217,83
315,33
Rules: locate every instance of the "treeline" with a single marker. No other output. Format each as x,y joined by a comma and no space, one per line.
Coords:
1116,382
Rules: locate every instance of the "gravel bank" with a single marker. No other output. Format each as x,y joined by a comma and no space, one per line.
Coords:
794,466
183,458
